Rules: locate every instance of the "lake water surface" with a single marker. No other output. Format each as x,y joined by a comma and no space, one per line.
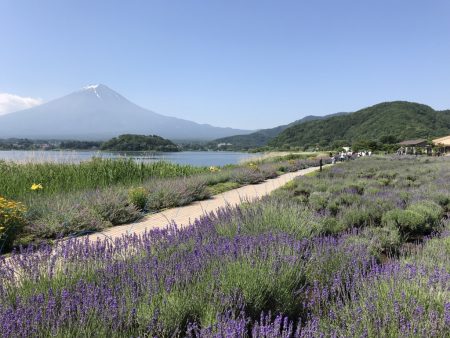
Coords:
197,158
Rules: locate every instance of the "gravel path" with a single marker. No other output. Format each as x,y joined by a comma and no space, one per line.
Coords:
185,215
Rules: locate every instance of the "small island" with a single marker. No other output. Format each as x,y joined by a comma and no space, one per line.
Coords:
131,142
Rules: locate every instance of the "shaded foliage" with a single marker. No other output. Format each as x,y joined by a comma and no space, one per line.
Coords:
131,142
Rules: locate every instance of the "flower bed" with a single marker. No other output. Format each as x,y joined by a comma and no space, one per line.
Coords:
281,267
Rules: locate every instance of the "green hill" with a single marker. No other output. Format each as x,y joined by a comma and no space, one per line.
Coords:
394,121
130,142
261,137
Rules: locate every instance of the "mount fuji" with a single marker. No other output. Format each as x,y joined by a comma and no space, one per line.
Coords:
97,112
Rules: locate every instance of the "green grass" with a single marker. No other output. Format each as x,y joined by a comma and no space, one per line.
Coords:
16,179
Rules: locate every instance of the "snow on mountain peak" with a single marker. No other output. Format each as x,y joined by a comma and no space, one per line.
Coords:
93,88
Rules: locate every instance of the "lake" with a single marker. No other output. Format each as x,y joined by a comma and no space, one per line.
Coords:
197,158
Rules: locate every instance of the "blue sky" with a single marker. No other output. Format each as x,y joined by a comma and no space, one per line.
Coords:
248,64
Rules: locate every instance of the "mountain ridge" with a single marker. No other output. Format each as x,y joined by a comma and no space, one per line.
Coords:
261,138
97,112
399,120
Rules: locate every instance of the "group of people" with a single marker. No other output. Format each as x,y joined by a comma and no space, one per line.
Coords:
348,155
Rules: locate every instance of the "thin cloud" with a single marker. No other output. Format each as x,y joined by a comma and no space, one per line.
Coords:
10,103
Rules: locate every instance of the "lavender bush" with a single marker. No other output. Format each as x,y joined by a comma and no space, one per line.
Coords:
282,267
85,210
164,280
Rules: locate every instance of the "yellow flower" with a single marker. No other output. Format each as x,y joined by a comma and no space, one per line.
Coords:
35,186
213,169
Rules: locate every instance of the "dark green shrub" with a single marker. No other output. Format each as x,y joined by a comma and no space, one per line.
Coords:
430,210
418,219
375,209
409,222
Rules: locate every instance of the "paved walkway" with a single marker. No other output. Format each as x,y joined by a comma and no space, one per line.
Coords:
185,215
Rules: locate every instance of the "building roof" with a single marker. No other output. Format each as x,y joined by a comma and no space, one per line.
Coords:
445,141
412,142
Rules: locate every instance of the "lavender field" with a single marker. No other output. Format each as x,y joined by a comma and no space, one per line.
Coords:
44,202
359,250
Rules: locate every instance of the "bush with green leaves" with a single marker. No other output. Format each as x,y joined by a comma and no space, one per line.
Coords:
250,175
264,217
113,206
75,214
443,199
434,253
138,197
62,220
381,239
318,200
175,193
419,218
354,217
12,222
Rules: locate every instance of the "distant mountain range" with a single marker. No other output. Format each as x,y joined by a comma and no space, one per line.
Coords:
262,137
398,120
97,112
